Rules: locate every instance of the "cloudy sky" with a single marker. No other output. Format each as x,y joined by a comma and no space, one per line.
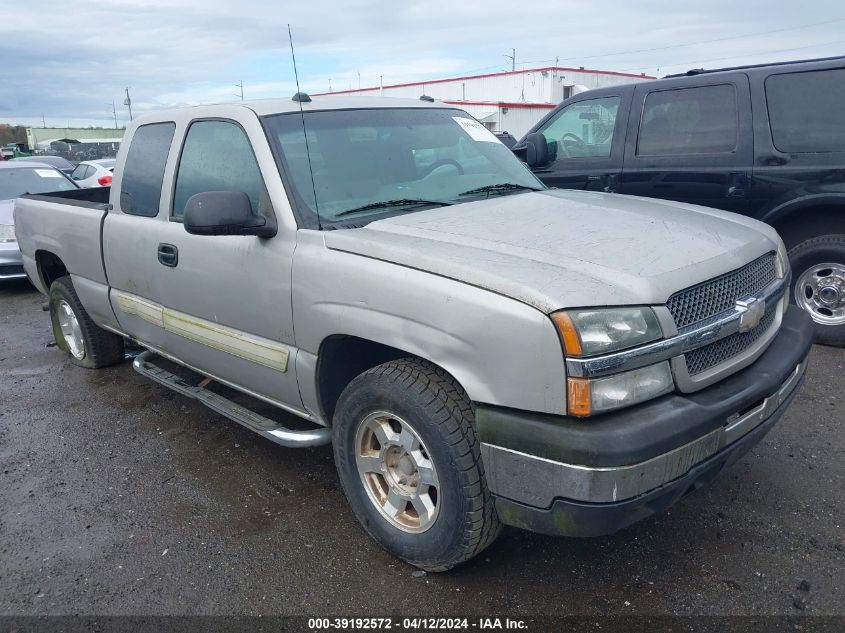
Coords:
68,60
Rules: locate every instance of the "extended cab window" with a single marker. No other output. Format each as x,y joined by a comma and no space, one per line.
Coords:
583,129
140,190
217,156
701,120
805,111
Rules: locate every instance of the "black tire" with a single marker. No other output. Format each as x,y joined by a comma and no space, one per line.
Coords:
441,414
101,347
826,249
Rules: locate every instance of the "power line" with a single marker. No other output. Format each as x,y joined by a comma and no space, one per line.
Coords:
718,59
711,41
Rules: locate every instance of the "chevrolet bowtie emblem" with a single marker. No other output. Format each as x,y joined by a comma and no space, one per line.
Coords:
751,312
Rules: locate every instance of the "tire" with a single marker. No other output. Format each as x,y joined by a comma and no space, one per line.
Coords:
818,265
419,396
99,347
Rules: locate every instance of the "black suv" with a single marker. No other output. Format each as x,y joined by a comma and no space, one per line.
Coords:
765,141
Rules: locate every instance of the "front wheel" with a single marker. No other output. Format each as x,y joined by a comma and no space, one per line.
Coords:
409,463
818,269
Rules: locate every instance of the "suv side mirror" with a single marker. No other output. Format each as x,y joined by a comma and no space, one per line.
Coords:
533,150
225,213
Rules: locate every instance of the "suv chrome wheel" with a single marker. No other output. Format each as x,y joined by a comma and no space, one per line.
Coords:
820,290
71,331
397,473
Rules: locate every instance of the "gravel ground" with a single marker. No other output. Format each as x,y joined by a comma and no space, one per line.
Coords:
119,497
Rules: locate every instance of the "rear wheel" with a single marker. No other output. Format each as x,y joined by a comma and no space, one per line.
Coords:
818,269
409,462
76,333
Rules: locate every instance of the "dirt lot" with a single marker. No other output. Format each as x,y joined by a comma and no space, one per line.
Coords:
120,497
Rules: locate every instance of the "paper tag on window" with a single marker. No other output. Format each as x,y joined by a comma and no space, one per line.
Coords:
48,173
476,130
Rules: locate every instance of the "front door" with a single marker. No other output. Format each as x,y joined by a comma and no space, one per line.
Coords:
586,141
228,298
691,143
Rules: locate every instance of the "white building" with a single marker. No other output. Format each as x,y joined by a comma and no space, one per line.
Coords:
507,101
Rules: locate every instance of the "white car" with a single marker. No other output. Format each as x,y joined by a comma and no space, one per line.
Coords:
94,173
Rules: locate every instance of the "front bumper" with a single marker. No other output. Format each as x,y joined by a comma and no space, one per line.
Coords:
559,475
11,262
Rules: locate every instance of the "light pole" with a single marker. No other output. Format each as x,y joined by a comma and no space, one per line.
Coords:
128,103
241,86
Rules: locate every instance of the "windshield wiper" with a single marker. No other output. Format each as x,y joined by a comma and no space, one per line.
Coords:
502,186
400,202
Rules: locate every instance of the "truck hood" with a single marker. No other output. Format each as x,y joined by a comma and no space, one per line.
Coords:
564,249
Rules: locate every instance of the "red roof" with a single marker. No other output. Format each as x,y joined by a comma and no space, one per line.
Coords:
502,74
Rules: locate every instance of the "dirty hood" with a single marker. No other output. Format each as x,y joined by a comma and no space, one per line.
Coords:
556,249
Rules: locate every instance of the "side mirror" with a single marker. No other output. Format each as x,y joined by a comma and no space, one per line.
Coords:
533,150
225,213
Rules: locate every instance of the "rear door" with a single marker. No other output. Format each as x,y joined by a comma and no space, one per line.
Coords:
131,234
586,143
691,141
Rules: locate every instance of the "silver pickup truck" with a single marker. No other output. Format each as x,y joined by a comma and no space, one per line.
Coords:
479,350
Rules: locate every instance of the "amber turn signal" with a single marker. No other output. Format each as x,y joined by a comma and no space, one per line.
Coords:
578,397
568,333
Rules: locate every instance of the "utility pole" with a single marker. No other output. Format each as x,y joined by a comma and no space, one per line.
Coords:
128,103
43,122
512,57
330,84
114,114
241,86
359,80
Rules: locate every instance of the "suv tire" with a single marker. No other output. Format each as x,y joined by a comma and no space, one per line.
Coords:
818,277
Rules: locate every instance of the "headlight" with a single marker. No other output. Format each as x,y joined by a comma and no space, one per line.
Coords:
590,332
587,396
7,233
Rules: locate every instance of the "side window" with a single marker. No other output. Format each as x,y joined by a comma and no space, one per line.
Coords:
583,129
217,156
805,111
79,172
700,120
140,189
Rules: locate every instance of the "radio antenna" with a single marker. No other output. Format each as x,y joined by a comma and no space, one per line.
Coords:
299,97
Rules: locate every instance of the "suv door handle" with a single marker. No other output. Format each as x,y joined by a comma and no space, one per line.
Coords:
738,185
168,255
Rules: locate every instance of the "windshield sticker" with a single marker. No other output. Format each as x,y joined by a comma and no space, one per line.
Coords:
477,131
48,173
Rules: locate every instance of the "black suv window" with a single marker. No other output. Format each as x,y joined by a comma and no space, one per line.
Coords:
700,120
805,111
217,156
583,129
140,190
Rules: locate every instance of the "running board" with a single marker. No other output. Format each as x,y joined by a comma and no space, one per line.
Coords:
144,364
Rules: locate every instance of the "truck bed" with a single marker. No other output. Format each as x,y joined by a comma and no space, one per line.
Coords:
66,225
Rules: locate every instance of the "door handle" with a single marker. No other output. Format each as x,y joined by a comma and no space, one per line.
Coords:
168,255
611,183
739,183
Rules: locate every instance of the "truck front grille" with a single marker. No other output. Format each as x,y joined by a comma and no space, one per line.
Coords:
703,358
721,293
705,300
10,269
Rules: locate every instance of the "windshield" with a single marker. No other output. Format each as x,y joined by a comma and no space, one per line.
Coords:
17,181
374,162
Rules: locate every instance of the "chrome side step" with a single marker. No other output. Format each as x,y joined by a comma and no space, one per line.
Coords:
144,364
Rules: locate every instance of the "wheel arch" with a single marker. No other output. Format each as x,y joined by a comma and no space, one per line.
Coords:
808,217
50,267
342,357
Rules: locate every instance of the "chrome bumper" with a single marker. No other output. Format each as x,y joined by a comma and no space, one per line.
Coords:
537,481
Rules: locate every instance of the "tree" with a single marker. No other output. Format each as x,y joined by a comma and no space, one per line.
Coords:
12,134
